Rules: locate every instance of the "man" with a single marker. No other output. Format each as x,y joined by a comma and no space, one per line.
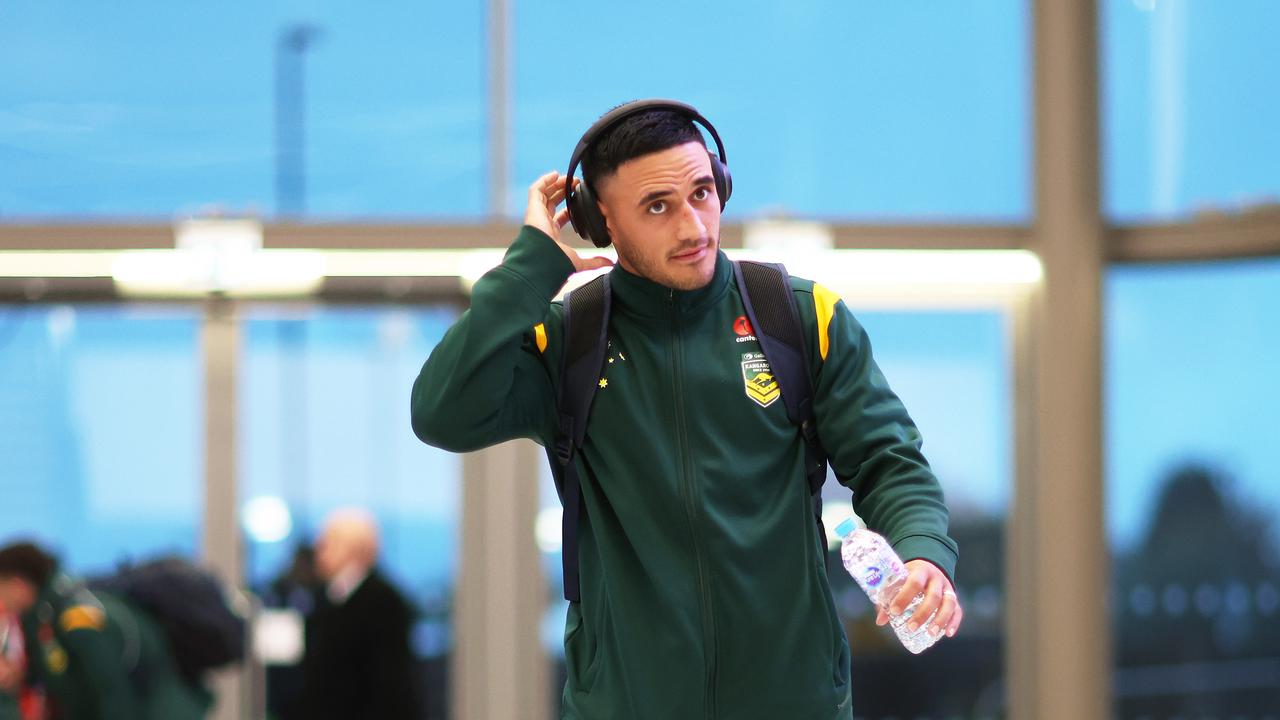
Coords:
97,656
358,665
702,582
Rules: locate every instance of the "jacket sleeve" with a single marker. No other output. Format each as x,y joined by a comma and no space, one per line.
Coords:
486,381
873,445
103,668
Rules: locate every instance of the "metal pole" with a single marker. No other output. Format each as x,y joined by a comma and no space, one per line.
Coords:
290,115
1060,658
499,42
223,549
499,669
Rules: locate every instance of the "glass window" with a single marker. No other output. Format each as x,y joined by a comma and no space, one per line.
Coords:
952,371
1189,106
144,110
1192,411
835,110
325,418
101,432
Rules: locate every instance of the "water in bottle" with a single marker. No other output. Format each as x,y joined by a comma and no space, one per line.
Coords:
879,571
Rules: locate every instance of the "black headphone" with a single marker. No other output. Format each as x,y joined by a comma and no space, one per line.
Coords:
581,202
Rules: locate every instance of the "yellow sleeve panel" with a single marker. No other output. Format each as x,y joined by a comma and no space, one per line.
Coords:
824,305
82,617
540,335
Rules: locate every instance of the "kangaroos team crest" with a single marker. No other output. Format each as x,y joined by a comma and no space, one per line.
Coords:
758,378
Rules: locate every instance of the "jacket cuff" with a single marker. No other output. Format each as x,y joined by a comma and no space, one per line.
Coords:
925,547
537,259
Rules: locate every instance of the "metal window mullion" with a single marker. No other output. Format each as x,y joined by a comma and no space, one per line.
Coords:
1060,660
499,667
222,547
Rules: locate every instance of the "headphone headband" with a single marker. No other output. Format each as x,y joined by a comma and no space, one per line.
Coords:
580,202
626,110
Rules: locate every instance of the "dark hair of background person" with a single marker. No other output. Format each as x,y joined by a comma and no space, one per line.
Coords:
27,561
635,136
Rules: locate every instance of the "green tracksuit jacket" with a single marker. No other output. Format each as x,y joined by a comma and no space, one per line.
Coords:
704,593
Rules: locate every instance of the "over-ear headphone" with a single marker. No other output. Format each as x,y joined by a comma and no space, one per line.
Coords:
584,214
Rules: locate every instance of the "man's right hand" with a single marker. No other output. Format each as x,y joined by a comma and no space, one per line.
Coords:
545,195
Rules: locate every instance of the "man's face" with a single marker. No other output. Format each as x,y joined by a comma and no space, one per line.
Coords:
664,216
332,554
16,595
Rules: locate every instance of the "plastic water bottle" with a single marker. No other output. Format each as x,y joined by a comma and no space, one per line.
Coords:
872,562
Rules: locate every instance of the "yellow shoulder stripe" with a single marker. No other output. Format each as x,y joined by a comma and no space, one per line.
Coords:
540,336
82,617
824,305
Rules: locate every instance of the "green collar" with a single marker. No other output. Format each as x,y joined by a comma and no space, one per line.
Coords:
646,298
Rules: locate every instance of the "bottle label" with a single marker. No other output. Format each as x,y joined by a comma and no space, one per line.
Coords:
873,576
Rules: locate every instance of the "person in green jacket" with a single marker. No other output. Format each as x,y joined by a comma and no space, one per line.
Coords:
704,591
97,656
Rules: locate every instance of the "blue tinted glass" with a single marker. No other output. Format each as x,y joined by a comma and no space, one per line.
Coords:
325,412
100,432
1193,506
1190,105
840,110
952,371
152,110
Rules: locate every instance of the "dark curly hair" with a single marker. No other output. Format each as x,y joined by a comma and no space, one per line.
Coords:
27,561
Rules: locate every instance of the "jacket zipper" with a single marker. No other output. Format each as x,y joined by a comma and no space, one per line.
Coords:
691,508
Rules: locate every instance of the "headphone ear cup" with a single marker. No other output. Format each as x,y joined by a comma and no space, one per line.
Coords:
576,215
586,217
723,179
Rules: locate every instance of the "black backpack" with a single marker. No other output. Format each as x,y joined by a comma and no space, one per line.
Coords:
770,308
190,605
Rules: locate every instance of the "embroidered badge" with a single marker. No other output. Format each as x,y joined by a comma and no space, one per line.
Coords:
757,377
82,617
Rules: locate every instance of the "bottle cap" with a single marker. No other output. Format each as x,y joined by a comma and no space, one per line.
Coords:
846,527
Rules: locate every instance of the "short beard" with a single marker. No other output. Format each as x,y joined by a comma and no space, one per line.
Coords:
647,271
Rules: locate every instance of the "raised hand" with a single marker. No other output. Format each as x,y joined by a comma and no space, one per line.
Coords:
545,195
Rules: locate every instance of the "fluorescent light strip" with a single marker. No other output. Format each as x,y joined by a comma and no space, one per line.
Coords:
909,267
294,271
57,263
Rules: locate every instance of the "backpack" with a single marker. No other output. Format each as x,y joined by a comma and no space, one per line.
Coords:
190,606
770,308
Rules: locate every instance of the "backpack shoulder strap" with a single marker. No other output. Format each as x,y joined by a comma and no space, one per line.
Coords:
771,309
586,323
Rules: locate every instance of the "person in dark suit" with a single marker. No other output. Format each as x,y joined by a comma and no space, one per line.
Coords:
357,664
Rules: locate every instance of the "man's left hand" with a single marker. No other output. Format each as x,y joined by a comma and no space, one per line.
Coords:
925,577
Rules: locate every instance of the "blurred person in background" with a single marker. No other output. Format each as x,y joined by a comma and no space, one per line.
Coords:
357,663
12,665
97,656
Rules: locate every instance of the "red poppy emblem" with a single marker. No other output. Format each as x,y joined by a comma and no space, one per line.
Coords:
742,326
